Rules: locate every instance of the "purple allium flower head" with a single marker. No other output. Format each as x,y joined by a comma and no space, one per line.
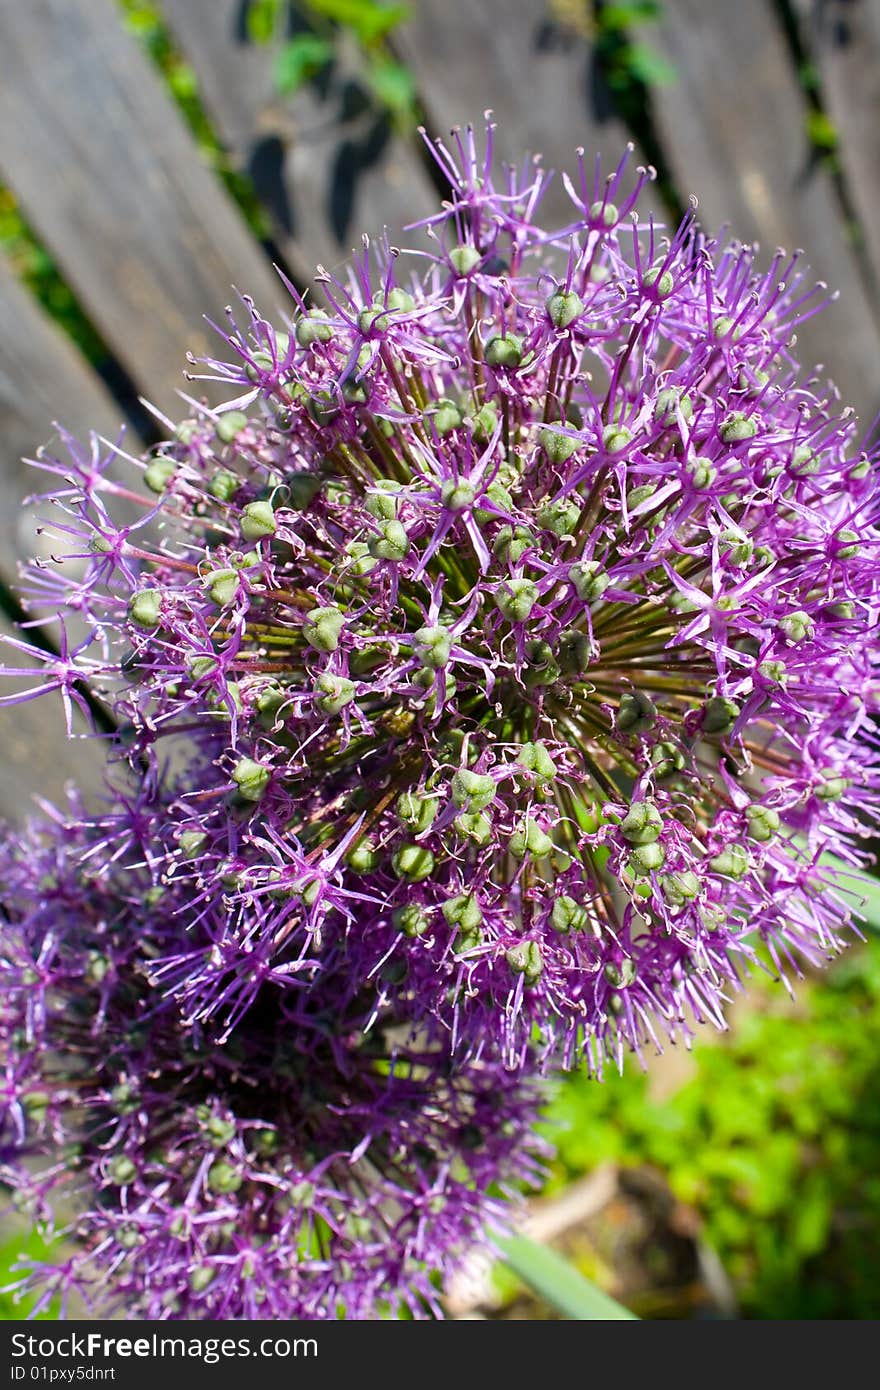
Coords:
497,664
303,1168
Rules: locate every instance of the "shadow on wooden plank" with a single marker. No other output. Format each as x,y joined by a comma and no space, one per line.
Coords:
326,160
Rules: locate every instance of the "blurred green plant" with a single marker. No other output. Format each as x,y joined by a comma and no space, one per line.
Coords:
310,32
775,1141
12,1249
145,21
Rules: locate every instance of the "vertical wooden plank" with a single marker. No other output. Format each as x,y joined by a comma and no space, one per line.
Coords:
734,130
327,164
843,39
42,379
537,75
111,180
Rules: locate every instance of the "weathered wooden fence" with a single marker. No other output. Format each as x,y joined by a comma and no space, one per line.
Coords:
110,178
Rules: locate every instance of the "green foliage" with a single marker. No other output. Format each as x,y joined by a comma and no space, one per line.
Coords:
312,48
775,1141
629,62
301,60
11,1252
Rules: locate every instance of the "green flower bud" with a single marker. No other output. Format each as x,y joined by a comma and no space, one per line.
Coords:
636,713
680,888
615,439
535,758
568,915
637,495
392,543
355,390
268,703
504,351
605,214
564,307
851,544
738,547
457,496
413,862
541,668
416,812
558,447
322,628
412,920
464,912
223,1178
230,425
667,759
668,399
201,1277
464,259
323,407
844,610
257,520
471,825
485,421
804,463
645,859
121,1170
434,645
832,788
220,1132
516,598
525,959
732,862
511,544
192,842
222,585
719,715
798,627
529,838
201,666
622,975
224,485
738,427
561,517
773,671
446,416
158,474
314,328
722,326
362,560
642,823
702,473
363,856
472,790
251,778
144,608
660,280
763,822
575,652
97,968
499,496
338,692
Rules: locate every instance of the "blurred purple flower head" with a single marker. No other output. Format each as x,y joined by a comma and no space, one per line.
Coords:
502,673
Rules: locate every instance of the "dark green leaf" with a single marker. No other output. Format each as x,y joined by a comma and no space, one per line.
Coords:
300,60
